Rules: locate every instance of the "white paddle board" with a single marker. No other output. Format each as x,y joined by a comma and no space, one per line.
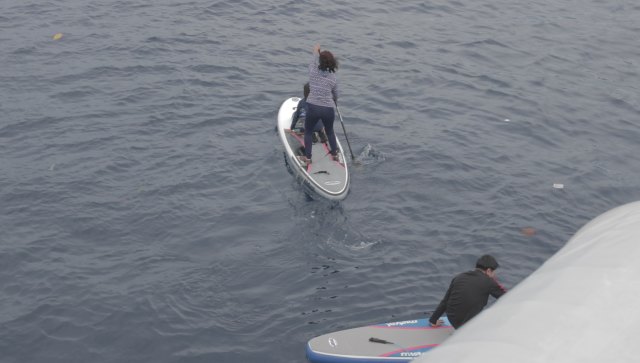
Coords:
327,177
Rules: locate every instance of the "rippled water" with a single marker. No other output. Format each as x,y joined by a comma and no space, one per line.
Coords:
147,214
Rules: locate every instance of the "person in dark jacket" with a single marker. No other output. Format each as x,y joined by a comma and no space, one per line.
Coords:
469,293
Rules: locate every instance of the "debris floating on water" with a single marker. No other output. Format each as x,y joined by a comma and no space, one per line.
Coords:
558,186
528,231
506,120
58,36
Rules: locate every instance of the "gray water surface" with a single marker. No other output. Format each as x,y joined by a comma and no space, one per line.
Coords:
147,215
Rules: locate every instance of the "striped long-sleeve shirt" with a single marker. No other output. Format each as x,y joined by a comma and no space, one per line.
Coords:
323,85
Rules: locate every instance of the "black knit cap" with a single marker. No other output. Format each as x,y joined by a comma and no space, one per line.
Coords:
487,261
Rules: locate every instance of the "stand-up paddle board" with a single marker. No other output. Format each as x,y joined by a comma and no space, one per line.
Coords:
400,341
327,177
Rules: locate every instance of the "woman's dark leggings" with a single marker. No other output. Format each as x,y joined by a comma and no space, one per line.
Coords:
315,114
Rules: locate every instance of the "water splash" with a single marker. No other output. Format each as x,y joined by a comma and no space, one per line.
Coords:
369,155
360,245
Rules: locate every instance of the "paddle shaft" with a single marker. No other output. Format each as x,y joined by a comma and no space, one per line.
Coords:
345,132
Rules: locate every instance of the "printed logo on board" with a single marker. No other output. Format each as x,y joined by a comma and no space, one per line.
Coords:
333,342
401,323
410,354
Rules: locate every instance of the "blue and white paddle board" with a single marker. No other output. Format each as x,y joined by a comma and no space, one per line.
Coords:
400,341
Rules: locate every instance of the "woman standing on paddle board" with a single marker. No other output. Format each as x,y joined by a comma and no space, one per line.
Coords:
322,98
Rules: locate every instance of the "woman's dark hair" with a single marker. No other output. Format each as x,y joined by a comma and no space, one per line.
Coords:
327,62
